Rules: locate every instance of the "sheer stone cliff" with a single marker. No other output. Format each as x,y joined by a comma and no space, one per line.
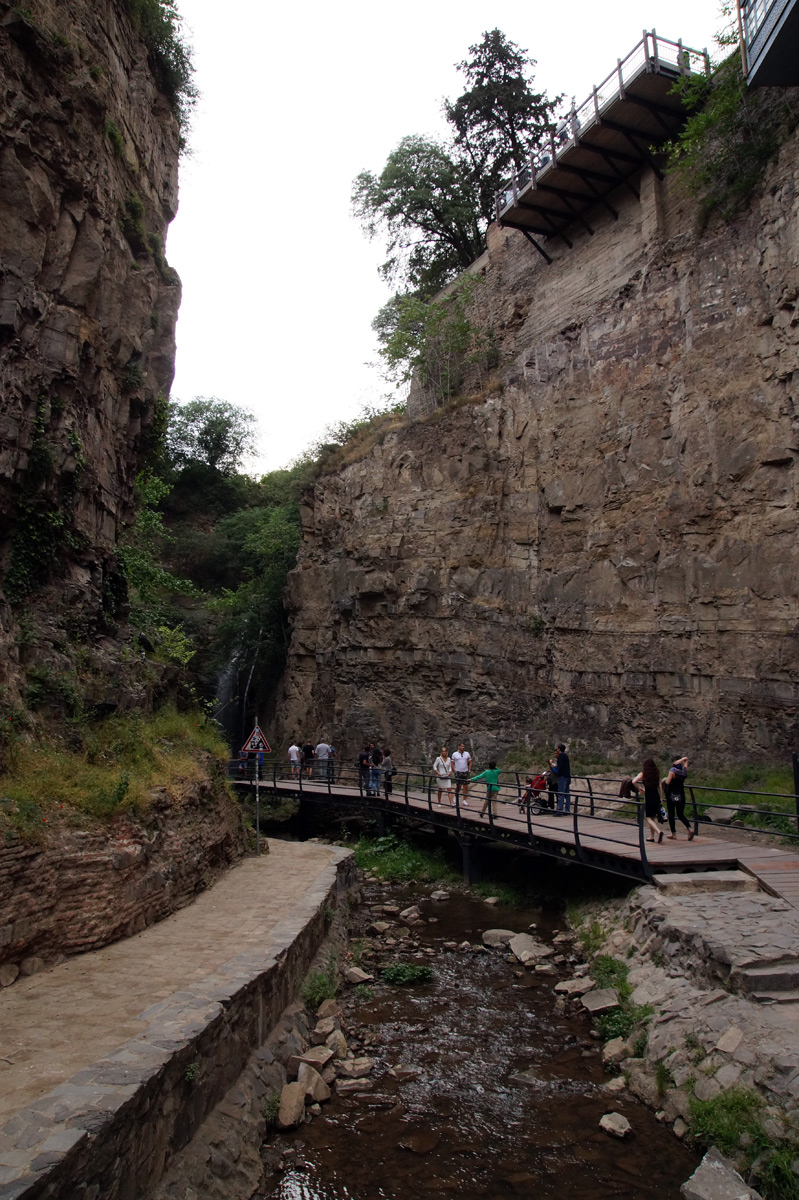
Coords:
604,547
88,185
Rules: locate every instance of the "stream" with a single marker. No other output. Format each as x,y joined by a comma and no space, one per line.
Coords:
462,1122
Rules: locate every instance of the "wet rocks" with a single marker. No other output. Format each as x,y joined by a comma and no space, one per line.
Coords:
528,949
616,1125
292,1106
497,937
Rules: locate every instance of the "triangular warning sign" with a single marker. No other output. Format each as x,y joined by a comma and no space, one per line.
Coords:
256,741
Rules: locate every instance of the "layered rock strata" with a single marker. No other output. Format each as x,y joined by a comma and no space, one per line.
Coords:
601,547
88,185
79,889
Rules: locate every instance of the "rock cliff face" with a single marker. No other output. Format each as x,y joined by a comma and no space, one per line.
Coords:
88,184
603,549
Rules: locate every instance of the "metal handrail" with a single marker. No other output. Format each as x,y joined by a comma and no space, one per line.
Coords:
643,57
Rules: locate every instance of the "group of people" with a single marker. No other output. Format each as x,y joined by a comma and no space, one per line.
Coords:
303,758
656,790
376,769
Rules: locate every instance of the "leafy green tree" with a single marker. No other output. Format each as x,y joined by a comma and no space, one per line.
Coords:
499,118
433,200
436,340
209,432
427,204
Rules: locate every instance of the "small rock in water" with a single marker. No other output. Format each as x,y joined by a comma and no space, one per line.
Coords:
491,900
465,946
528,1077
404,1074
356,975
497,937
450,945
616,1125
410,914
356,1068
439,895
421,1143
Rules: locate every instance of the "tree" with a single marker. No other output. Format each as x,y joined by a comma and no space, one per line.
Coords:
210,432
434,200
427,203
499,118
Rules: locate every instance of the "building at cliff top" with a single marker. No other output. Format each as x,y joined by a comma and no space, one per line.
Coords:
770,36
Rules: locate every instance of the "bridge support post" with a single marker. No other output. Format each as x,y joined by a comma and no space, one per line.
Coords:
472,855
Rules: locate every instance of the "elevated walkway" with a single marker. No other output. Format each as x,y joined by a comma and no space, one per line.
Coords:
601,831
603,144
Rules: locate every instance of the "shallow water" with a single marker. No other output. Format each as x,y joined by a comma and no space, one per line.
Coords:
465,1126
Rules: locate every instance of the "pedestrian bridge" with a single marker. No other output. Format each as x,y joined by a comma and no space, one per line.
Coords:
601,831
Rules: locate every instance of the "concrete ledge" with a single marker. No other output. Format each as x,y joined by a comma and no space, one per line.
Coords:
706,881
109,1131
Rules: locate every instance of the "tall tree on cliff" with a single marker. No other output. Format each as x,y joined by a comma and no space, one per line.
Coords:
434,200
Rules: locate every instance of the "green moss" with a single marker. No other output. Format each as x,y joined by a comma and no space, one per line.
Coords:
114,135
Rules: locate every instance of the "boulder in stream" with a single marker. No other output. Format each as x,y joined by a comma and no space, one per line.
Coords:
616,1125
497,937
600,1000
528,949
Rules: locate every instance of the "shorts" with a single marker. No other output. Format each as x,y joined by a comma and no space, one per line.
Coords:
461,776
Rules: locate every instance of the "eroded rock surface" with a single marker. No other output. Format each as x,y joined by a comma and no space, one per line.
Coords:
88,185
606,542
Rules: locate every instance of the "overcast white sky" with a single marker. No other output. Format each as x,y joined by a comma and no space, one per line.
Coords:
279,284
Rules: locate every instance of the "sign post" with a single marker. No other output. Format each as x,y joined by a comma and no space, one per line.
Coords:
256,743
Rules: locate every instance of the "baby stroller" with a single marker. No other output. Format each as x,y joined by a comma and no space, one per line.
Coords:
530,798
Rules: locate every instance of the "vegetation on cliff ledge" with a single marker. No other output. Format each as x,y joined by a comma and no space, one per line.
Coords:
732,133
160,26
104,769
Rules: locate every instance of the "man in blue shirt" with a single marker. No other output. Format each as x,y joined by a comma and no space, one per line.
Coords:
562,768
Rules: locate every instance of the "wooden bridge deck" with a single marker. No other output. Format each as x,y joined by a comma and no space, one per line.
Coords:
607,840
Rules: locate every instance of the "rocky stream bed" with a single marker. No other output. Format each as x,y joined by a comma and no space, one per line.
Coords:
481,1082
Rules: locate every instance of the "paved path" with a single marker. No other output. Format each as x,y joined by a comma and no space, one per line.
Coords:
606,833
56,1023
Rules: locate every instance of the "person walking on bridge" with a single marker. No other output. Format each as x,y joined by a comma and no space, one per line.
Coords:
674,787
649,776
389,771
461,763
308,755
562,768
442,768
294,759
491,776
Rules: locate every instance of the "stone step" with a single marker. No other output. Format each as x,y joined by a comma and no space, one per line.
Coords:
680,884
781,977
791,997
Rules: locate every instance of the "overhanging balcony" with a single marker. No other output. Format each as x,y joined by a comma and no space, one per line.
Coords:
771,39
603,143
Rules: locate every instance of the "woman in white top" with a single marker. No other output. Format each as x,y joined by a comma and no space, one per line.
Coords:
443,769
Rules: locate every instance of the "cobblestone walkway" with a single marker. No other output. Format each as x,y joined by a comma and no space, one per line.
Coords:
56,1023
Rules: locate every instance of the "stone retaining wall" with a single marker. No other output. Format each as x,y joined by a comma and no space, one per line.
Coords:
81,889
110,1131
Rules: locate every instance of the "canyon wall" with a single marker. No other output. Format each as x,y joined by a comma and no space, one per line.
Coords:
603,546
77,889
89,149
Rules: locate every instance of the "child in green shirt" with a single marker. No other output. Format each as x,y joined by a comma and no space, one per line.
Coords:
491,776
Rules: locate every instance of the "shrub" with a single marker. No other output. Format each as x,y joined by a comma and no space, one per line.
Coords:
319,986
407,974
723,1120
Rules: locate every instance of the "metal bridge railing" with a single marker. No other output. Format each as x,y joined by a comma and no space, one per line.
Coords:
653,53
599,818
